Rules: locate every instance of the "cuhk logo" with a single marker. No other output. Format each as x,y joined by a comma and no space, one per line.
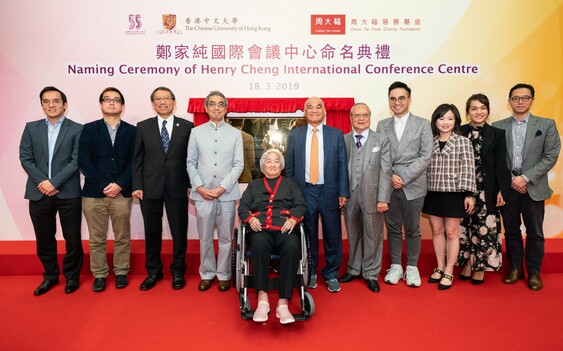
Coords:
169,21
328,24
169,25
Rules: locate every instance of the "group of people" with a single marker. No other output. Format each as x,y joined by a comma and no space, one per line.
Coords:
462,176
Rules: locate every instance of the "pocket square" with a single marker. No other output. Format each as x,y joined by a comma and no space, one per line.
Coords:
375,149
538,133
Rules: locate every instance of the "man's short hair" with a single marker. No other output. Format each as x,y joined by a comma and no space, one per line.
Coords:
165,89
51,88
397,85
114,90
521,86
215,93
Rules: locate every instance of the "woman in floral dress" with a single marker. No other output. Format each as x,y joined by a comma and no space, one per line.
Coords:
480,239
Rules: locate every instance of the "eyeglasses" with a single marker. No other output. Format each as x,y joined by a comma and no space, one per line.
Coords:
216,104
524,98
162,99
362,115
400,99
48,102
110,101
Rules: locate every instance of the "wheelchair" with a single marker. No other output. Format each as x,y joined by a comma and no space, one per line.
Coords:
243,280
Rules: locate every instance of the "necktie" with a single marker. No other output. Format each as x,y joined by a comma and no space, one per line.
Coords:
358,141
314,160
164,136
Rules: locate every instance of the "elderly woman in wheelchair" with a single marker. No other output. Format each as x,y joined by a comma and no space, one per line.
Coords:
272,207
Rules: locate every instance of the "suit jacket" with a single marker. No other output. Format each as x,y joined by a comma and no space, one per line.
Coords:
452,169
375,181
216,158
34,158
335,164
411,156
158,173
541,150
496,175
103,163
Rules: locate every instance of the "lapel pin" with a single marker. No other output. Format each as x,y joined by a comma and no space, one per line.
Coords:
177,124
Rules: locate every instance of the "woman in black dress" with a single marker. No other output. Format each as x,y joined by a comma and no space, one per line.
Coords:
480,239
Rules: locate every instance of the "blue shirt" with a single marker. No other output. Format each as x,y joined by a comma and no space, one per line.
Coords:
52,135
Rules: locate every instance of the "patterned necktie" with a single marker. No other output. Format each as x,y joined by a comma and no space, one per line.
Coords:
314,160
164,136
358,141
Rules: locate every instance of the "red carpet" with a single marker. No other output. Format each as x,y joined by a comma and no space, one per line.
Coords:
492,316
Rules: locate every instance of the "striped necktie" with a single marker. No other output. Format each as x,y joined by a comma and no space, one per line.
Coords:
164,136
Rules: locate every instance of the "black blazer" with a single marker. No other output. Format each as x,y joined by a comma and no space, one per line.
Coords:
103,163
155,172
496,175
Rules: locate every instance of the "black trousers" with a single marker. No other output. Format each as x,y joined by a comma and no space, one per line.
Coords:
287,245
177,214
532,214
43,214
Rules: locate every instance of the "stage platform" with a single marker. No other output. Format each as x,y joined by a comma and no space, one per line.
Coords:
19,257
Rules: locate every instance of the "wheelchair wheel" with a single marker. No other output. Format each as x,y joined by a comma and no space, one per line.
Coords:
309,305
234,270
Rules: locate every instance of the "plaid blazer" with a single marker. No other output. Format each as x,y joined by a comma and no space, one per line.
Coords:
453,168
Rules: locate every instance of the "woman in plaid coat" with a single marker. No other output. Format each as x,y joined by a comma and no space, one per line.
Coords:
451,189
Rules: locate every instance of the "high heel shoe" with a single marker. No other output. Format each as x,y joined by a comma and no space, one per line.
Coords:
436,280
464,277
477,281
443,286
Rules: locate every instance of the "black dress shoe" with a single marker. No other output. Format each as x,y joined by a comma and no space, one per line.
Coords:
99,284
178,281
71,286
150,281
347,278
45,286
373,285
121,281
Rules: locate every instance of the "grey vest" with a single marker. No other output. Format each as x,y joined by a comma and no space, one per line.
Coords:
356,165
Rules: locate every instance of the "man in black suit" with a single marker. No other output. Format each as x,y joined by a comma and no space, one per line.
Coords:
160,178
49,156
105,155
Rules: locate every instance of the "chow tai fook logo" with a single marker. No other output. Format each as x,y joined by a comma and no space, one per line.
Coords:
328,24
169,25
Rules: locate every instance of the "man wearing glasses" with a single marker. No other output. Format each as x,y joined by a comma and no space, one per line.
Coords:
410,139
105,155
533,146
160,180
215,163
49,156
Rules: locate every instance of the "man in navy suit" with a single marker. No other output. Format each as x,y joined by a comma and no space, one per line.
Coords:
160,178
316,160
49,156
105,155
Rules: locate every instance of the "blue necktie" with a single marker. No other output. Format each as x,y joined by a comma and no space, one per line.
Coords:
164,136
358,142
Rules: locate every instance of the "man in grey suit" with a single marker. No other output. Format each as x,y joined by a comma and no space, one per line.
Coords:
533,146
49,156
410,138
369,172
215,162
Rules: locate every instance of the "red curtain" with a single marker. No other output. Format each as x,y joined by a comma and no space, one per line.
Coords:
337,109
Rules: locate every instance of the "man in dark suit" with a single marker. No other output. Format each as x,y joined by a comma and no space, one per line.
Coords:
160,179
533,146
369,171
49,156
105,155
316,160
